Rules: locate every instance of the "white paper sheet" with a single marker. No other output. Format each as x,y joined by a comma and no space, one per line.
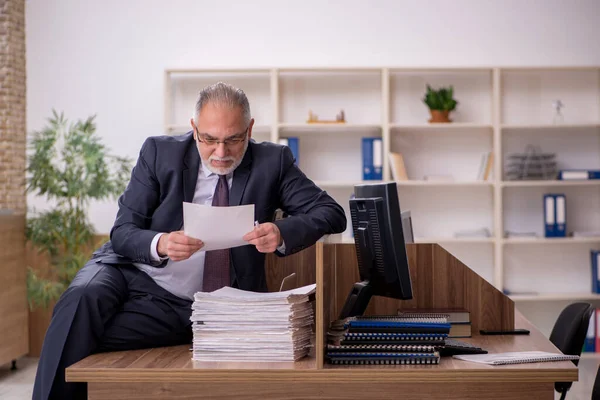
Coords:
218,227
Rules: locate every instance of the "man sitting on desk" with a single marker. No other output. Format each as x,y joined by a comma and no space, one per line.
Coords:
137,290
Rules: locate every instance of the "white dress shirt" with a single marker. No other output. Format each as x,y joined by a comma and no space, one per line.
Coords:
184,278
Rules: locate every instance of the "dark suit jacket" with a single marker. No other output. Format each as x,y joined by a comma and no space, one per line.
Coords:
165,176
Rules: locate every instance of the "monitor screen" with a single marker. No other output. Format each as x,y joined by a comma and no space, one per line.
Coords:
379,238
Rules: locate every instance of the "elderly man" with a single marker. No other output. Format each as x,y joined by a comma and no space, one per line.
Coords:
137,290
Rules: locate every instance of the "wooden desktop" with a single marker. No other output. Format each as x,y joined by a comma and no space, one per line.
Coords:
439,281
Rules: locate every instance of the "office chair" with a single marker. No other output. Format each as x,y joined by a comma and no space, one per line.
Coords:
568,335
596,388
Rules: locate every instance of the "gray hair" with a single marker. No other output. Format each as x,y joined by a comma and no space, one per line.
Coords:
223,94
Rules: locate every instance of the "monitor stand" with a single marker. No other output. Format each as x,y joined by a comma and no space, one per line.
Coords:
357,300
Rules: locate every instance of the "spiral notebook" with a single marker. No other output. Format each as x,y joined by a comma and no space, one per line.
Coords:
520,357
384,358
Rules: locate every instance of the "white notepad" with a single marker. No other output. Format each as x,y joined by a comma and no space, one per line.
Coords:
515,357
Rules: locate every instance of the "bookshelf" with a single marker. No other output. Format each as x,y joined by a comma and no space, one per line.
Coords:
500,110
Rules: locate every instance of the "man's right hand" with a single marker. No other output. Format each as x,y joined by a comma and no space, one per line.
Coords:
177,246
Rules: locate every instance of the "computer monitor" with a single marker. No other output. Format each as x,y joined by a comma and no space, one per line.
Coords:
380,247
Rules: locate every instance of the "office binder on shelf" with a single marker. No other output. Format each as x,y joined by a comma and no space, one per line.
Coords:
294,145
560,203
372,157
594,261
578,174
549,215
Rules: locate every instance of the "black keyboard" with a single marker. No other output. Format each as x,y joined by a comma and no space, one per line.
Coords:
453,346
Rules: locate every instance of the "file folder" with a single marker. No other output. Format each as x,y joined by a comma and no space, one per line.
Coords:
560,204
294,145
549,215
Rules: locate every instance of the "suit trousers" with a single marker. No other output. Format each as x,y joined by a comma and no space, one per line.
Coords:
107,308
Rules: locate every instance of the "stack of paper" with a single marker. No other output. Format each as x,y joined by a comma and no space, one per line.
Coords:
235,325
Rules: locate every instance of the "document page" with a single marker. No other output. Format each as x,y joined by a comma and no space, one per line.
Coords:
218,227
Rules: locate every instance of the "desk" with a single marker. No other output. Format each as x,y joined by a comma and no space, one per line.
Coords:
169,373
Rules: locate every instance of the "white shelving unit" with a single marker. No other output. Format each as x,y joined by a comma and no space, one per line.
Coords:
500,110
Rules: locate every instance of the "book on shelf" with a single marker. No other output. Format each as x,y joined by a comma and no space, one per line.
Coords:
397,167
485,166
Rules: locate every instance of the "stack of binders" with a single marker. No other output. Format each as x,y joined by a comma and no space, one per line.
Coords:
386,340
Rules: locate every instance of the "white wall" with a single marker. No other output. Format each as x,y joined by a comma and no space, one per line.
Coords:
107,57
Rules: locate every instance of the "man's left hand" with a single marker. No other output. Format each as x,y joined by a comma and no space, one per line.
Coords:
266,237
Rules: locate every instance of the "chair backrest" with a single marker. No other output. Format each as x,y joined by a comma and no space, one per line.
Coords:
570,328
569,332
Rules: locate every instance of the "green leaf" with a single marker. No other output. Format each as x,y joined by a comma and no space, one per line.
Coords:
70,166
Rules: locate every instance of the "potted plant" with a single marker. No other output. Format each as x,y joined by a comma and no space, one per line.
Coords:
440,103
69,166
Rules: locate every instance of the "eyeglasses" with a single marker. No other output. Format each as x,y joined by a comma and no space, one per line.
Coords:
229,142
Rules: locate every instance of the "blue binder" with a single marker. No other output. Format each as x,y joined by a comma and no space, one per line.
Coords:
560,203
578,174
549,215
372,158
294,145
594,255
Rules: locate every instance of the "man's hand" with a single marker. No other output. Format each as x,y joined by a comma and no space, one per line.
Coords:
177,246
266,237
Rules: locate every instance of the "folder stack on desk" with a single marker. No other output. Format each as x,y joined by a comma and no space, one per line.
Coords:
235,325
386,340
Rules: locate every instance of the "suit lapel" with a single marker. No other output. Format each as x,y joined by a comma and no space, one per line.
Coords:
190,172
240,178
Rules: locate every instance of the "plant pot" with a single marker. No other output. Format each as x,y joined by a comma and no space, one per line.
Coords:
439,116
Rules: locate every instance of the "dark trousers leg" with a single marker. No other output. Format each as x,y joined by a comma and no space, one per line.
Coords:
105,308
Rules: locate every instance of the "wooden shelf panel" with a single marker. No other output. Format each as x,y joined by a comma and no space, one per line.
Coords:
544,240
555,297
445,183
464,240
342,184
588,182
543,127
441,126
326,127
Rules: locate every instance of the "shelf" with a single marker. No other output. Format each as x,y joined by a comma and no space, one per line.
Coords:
441,126
543,127
321,127
342,184
543,240
179,129
465,240
582,182
555,297
444,183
